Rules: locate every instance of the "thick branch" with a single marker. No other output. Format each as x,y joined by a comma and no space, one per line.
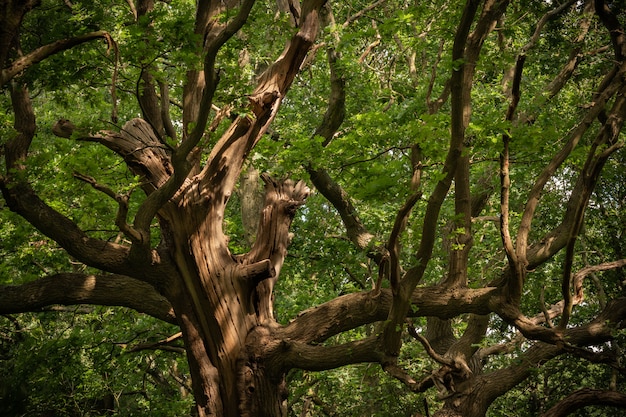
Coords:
214,42
281,202
282,354
352,310
586,397
299,355
72,289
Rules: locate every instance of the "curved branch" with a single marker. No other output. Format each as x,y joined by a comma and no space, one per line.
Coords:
554,241
336,110
337,196
45,51
487,387
586,397
356,309
22,199
599,330
73,288
578,276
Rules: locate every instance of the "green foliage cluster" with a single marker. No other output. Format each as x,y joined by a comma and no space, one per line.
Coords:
79,362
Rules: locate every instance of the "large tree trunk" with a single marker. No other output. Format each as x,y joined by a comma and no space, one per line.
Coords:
222,298
218,298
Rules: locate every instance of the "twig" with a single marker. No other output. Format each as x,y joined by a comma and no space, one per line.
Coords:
360,13
429,349
122,201
161,344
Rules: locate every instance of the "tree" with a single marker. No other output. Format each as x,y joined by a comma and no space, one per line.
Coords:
416,116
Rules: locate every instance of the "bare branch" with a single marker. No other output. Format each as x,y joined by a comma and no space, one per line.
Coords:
580,275
336,195
122,201
393,244
518,269
431,352
401,375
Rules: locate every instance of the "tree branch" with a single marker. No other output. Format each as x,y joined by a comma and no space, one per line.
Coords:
45,51
356,309
282,199
337,196
22,199
293,354
122,201
164,344
217,36
586,397
72,289
614,28
556,240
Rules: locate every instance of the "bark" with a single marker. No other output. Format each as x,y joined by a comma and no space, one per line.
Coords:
251,202
10,22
